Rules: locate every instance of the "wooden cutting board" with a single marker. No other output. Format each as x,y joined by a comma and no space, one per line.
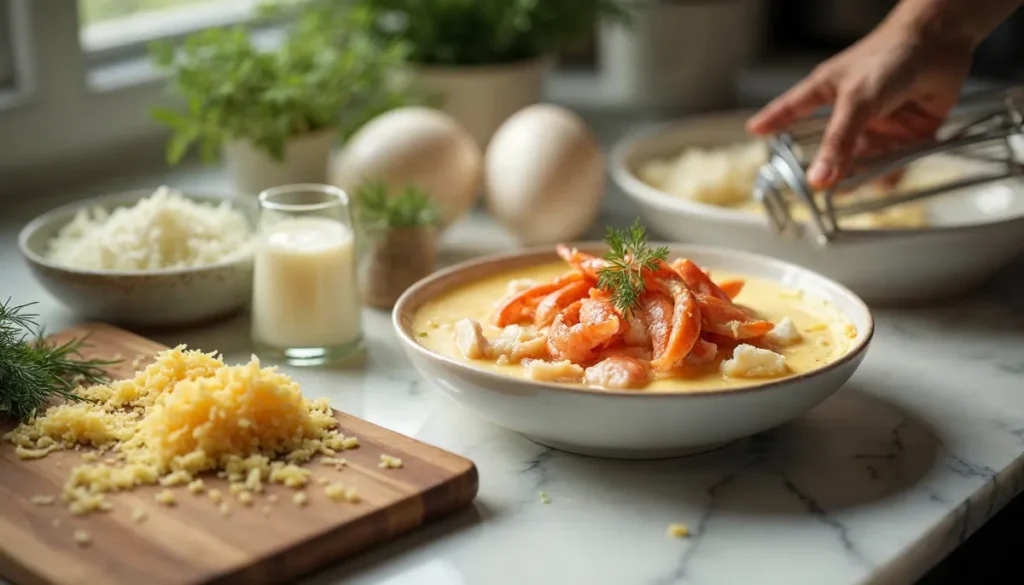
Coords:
192,543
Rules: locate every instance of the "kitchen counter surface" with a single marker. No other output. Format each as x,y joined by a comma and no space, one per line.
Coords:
875,485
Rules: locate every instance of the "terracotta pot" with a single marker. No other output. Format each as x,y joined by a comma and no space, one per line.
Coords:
482,97
393,260
306,159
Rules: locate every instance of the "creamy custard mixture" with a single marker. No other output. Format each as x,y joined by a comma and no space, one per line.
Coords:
824,333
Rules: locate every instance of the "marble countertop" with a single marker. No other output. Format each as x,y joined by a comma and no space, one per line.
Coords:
875,485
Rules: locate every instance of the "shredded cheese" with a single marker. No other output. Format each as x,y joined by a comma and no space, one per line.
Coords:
389,462
678,530
184,414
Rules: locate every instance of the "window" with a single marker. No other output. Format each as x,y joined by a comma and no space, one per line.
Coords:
6,50
15,83
114,29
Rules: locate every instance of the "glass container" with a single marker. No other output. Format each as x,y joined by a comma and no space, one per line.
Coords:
306,304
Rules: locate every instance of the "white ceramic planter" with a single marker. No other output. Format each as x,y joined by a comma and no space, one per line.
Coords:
682,56
306,159
481,98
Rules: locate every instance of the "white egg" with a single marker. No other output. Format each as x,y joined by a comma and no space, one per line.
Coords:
544,175
416,145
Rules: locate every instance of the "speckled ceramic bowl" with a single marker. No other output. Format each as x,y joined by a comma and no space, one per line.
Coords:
152,299
629,424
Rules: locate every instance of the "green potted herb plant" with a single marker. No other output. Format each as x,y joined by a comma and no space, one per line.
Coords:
274,114
399,233
486,59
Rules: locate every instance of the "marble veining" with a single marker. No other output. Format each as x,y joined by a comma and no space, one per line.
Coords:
874,486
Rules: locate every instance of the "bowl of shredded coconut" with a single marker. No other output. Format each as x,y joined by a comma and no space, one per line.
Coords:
145,258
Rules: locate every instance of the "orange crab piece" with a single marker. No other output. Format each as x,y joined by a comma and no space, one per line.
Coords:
724,318
522,305
732,288
697,280
683,329
581,328
553,304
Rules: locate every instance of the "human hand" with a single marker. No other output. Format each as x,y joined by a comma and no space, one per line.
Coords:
893,88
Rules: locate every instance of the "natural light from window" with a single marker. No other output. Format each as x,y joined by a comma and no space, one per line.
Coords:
115,24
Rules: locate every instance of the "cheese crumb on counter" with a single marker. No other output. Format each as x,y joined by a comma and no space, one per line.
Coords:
165,230
139,515
215,496
300,499
197,486
678,530
544,499
352,495
42,500
335,491
82,538
166,497
753,362
245,498
389,462
225,509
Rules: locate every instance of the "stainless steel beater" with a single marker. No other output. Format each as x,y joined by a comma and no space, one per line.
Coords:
984,128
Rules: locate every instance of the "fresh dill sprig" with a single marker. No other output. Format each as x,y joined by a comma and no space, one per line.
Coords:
412,207
628,258
33,369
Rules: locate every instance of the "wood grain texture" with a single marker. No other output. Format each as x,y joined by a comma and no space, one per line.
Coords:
191,543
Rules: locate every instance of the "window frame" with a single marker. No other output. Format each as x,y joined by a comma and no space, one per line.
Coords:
188,20
17,85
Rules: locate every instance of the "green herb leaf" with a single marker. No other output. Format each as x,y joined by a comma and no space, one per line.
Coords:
330,72
484,32
33,370
628,258
376,208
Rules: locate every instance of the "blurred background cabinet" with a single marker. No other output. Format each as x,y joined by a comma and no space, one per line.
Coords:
684,56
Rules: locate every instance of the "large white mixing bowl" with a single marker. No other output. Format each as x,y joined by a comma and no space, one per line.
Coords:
972,234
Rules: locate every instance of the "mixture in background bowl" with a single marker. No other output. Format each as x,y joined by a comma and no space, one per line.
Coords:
724,176
166,230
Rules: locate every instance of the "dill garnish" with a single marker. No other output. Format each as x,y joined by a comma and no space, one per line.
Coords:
34,370
628,258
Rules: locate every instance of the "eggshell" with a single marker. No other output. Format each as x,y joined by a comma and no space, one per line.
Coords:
416,145
544,175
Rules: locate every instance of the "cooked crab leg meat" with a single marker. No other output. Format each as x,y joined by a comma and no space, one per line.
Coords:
553,304
581,328
585,264
684,330
703,351
521,306
697,280
731,288
469,337
619,372
724,318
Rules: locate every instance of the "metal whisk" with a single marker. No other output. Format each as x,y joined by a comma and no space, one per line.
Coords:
983,129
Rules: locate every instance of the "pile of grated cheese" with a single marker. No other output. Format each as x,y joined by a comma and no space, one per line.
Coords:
165,230
184,414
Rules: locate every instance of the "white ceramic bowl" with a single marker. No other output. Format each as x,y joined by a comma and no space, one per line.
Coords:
974,232
625,424
152,299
